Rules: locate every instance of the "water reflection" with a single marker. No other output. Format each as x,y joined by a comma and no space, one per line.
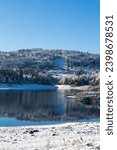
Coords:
43,105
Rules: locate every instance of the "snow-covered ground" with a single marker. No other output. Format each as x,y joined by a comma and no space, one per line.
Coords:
68,136
72,87
26,87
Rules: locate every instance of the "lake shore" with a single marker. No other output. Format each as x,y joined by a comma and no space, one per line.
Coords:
72,136
27,87
39,87
72,87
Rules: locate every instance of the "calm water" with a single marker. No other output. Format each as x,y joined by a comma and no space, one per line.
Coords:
42,107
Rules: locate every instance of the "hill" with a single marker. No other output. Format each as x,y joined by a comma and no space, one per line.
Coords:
47,66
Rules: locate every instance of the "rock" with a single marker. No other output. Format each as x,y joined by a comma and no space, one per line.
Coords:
33,131
53,134
89,144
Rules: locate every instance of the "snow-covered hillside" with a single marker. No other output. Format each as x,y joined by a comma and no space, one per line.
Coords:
45,66
44,59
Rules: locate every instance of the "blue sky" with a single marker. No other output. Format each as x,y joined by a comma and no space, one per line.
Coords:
52,24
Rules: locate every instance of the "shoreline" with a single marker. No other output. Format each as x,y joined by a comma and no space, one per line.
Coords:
39,87
80,136
84,87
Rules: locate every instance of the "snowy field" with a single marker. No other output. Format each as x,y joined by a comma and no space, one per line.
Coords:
68,136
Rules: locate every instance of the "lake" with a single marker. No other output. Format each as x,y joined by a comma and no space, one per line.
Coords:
42,107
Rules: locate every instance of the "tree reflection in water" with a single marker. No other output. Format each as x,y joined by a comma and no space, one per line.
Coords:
44,105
